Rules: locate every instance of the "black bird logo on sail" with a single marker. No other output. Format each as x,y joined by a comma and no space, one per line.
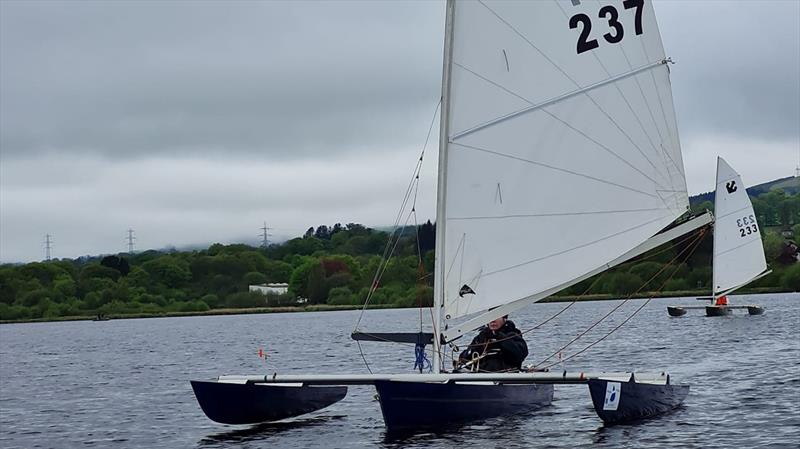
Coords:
731,186
465,290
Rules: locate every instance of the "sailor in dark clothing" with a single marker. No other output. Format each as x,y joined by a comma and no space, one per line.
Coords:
498,347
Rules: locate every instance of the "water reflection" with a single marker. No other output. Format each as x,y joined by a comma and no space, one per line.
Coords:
265,430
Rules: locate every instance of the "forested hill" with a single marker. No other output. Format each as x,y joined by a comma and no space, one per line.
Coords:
336,265
789,185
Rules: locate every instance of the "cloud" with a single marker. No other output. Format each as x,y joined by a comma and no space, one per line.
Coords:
757,160
738,67
287,80
195,122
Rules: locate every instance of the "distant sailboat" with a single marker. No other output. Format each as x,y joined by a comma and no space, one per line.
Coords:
559,158
738,257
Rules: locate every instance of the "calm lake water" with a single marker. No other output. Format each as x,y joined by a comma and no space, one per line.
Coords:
125,383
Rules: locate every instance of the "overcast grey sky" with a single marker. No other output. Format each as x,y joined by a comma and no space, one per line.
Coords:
194,122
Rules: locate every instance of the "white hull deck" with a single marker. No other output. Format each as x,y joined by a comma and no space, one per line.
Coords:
516,378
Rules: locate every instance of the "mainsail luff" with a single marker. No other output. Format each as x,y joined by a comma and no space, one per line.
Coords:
514,132
438,288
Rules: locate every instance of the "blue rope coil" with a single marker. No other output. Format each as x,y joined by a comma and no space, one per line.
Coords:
421,361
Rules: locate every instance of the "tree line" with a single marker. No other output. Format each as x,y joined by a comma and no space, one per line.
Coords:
336,265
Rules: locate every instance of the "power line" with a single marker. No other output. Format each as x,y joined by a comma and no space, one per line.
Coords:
131,239
797,170
48,246
265,235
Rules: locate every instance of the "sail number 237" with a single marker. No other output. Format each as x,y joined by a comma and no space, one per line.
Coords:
747,225
615,29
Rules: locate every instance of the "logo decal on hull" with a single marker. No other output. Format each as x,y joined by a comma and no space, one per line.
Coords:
612,396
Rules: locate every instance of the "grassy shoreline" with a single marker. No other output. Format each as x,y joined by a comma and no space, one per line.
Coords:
327,307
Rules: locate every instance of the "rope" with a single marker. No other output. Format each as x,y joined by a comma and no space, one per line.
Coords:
394,240
693,246
363,357
421,359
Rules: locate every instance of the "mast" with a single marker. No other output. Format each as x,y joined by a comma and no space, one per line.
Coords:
714,242
438,284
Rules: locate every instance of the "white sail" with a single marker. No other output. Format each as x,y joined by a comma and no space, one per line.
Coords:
562,150
738,251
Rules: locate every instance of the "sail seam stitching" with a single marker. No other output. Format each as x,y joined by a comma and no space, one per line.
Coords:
733,212
559,214
497,153
511,267
737,247
541,105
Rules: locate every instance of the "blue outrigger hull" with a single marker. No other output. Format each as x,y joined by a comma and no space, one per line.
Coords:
249,403
621,402
420,405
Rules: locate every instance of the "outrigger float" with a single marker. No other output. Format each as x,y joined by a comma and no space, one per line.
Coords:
715,310
559,158
738,256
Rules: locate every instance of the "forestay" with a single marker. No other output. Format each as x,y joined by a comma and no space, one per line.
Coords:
562,150
738,251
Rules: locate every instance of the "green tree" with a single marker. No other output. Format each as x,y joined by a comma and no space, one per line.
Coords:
97,271
116,263
243,300
64,284
341,296
773,246
211,300
277,271
44,272
621,283
254,278
791,278
168,270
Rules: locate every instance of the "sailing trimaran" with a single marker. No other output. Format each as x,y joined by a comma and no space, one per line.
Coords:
557,133
738,256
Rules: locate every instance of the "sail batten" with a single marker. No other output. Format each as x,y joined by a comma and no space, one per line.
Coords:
554,214
549,256
722,253
534,106
551,167
559,159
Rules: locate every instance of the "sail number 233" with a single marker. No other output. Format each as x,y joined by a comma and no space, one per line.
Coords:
747,225
615,30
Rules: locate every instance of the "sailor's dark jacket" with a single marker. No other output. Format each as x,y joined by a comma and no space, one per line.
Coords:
505,349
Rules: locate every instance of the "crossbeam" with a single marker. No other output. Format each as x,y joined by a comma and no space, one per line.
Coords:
563,377
704,307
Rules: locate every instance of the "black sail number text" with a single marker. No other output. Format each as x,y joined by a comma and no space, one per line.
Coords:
583,43
747,225
616,31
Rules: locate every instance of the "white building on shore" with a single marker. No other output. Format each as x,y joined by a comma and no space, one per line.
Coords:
276,289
